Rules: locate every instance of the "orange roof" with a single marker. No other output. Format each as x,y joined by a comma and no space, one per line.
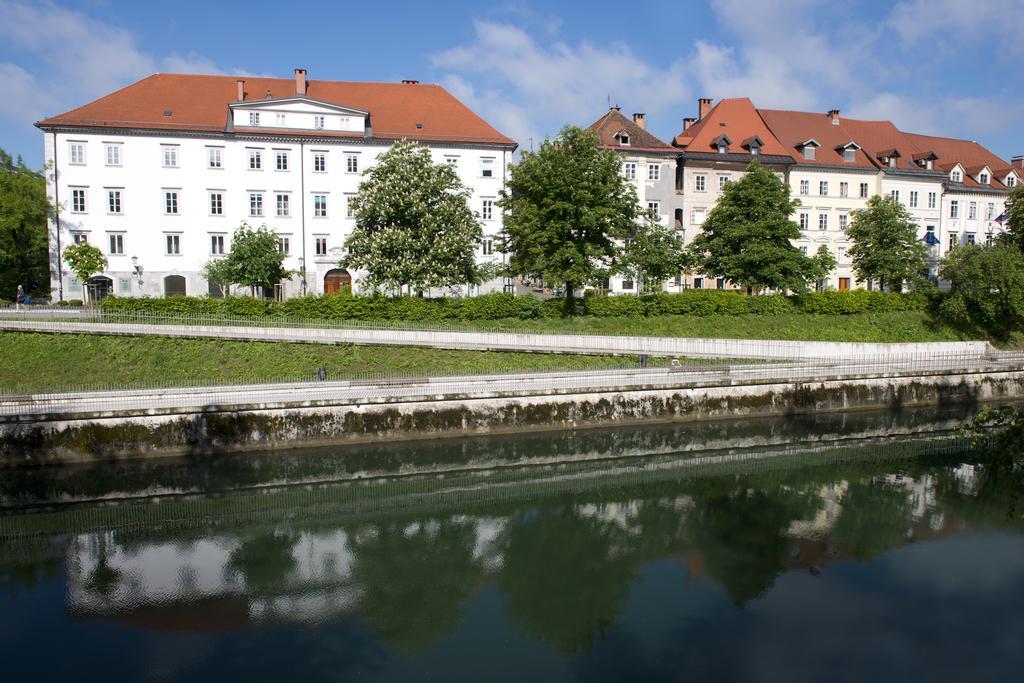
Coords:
795,127
736,118
614,122
969,154
200,103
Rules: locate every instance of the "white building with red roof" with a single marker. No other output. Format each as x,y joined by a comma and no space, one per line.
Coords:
160,173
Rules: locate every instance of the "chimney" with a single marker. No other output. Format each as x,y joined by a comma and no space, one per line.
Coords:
241,90
410,81
300,81
615,107
687,122
638,119
833,116
703,107
1018,162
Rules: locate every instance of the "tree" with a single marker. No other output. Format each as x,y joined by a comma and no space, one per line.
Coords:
825,263
414,227
1015,218
84,260
987,288
885,246
566,205
219,272
24,208
747,237
255,259
652,255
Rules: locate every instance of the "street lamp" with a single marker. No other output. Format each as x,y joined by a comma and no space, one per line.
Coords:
138,270
302,271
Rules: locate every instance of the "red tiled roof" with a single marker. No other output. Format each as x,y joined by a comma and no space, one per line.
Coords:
794,127
736,118
200,103
614,121
969,154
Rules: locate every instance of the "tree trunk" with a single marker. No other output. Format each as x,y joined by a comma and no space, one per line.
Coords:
569,305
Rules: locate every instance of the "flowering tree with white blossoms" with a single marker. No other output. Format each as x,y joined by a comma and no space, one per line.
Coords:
414,228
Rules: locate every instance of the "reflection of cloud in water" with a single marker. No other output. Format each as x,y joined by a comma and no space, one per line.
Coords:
970,563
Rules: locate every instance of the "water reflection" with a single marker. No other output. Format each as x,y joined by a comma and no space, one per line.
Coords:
597,576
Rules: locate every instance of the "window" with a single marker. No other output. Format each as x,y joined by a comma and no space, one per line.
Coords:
216,203
487,168
255,203
279,120
699,183
989,239
116,245
113,154
1011,181
319,121
698,283
173,244
895,194
803,249
319,162
823,188
990,211
722,148
487,247
809,151
698,216
283,205
841,254
723,180
822,221
720,283
805,221
214,157
654,171
954,240
805,187
972,210
627,284
284,245
970,238
844,221
655,208
320,246
281,160
913,199
954,209
983,178
216,244
255,160
170,156
80,237
78,200
932,197
350,209
623,139
844,189
76,150
850,155
320,206
171,202
955,176
863,190
487,209
451,160
629,170
113,201
352,163
254,118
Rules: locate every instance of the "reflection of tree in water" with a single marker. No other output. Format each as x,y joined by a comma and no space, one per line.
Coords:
103,579
265,560
566,577
414,578
741,535
875,517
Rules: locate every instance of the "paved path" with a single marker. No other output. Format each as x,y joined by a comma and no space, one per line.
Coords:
517,341
475,387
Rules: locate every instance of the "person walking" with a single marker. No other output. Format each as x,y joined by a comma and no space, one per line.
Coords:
19,298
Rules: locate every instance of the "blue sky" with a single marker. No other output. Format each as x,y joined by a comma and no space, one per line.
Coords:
947,67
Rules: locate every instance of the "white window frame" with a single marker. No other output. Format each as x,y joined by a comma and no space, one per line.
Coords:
255,159
284,244
115,202
216,202
822,188
629,170
487,167
79,193
700,183
844,189
115,243
844,221
933,198
254,119
256,204
654,206
487,209
805,187
822,221
320,245
351,162
954,208
172,205
723,180
319,121
279,120
172,244
76,153
804,219
217,242
913,199
215,157
972,211
280,160
319,205
282,204
113,153
654,171
320,159
349,211
169,156
864,190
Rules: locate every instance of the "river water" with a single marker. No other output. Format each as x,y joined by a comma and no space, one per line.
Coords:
840,548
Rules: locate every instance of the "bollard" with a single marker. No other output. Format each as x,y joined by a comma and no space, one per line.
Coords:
321,374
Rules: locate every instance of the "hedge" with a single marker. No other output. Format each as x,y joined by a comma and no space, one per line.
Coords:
507,306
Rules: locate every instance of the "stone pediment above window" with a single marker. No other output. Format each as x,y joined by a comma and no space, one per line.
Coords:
299,113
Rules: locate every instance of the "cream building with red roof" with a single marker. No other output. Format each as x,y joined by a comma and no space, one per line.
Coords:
160,173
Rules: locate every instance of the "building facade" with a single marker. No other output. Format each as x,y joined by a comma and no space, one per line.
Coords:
159,174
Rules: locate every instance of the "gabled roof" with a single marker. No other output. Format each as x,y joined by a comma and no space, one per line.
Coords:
736,118
967,153
200,104
794,128
614,122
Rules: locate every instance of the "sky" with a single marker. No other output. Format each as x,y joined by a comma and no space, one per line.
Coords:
942,67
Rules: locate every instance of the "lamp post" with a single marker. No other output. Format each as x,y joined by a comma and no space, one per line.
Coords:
138,270
302,272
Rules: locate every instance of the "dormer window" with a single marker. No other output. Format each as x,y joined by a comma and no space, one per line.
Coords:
753,145
1011,180
849,154
318,122
722,143
983,178
254,118
808,152
623,138
956,176
809,148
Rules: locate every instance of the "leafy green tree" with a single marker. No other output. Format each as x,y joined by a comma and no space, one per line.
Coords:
987,288
747,237
565,206
414,227
84,260
1015,218
884,245
825,262
265,560
255,259
24,208
219,272
653,254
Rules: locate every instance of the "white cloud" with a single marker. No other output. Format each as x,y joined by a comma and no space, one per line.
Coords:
535,88
950,25
23,96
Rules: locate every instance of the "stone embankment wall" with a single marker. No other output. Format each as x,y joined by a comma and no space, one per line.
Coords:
80,437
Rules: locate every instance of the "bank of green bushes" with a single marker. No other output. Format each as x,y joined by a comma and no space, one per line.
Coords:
507,306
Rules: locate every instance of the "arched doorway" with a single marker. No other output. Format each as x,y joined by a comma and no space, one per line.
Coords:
336,280
174,285
99,288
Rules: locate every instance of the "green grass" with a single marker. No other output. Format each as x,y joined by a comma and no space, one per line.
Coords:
33,362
